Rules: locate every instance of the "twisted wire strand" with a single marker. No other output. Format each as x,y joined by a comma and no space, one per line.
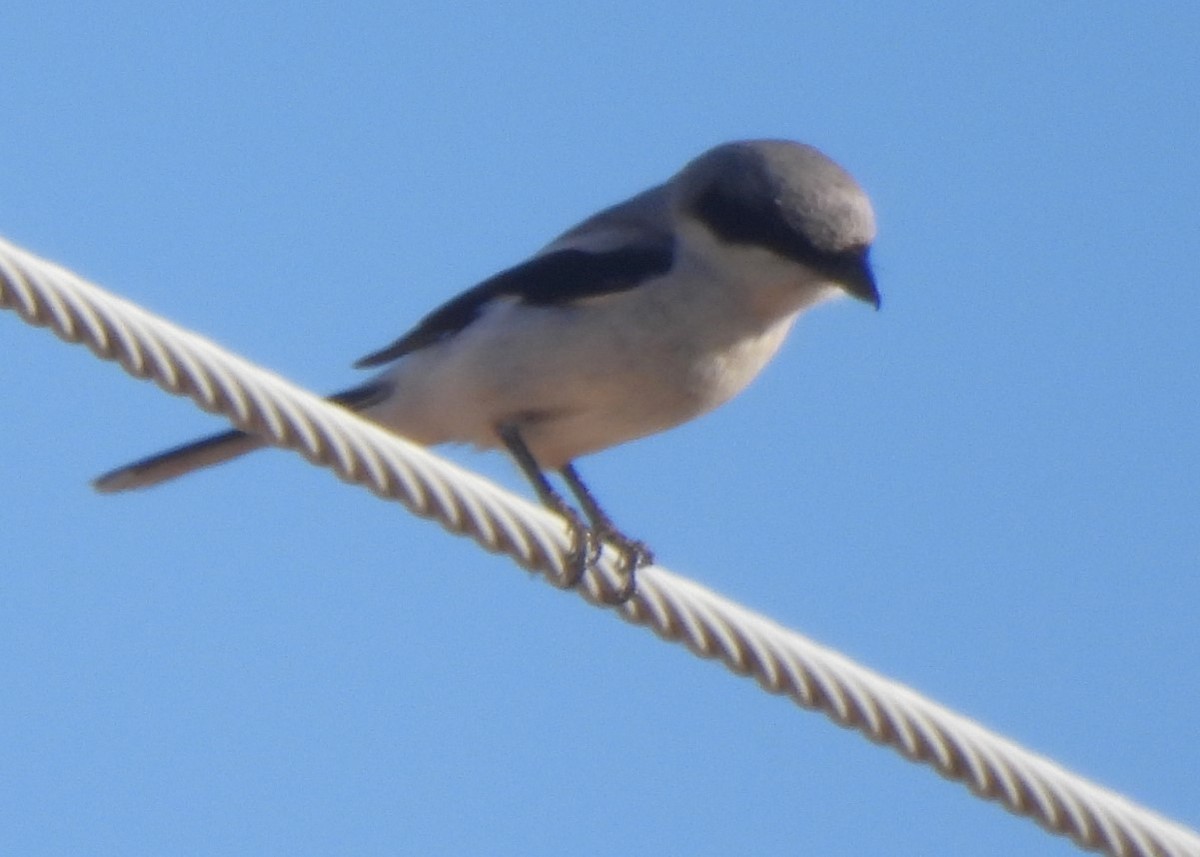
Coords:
678,610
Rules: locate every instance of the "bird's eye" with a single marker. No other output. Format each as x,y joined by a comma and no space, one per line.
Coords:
738,218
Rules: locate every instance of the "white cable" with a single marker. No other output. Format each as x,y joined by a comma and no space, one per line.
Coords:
675,608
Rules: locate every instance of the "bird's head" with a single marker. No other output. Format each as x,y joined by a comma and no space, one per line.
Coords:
787,198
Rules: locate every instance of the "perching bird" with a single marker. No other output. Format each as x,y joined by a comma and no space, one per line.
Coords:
642,317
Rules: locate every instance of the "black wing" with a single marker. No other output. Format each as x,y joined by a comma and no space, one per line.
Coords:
555,278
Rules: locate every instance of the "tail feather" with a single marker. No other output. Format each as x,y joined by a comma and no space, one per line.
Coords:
215,449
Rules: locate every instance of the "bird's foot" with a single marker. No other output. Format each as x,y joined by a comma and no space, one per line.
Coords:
633,555
583,552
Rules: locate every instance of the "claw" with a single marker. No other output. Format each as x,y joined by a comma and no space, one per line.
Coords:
633,554
584,550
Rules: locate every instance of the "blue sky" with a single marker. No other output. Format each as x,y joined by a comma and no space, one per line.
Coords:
987,490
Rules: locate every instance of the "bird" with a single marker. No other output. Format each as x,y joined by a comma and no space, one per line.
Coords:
640,318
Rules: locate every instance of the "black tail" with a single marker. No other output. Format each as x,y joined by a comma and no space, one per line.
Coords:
215,449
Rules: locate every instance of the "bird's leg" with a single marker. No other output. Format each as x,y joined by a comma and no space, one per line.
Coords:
584,548
634,554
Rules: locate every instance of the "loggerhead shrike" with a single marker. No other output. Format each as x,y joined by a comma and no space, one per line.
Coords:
640,318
